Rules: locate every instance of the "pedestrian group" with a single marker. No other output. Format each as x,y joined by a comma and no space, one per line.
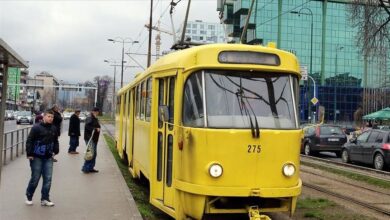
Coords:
42,145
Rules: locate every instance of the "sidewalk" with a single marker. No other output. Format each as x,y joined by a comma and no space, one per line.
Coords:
77,196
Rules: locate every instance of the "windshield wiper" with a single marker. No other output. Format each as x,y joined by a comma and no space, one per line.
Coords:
240,94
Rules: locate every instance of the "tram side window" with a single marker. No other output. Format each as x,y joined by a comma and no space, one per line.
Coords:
148,98
193,101
118,104
137,102
160,98
171,101
128,94
143,99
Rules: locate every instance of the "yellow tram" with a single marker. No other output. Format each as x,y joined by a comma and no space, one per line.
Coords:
215,129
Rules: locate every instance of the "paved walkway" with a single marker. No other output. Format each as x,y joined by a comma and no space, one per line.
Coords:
77,196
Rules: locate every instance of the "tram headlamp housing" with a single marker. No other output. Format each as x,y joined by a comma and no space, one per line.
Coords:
289,169
215,170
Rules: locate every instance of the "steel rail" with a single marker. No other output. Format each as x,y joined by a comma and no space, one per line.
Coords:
347,198
356,168
346,182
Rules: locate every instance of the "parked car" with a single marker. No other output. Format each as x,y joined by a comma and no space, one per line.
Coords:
371,147
82,117
322,137
9,115
24,117
67,115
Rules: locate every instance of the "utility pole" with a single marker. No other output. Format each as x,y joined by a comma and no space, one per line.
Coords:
185,23
150,32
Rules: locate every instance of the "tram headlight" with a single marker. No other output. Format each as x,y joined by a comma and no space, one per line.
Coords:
289,169
215,170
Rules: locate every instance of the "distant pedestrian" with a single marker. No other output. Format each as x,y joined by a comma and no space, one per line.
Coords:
41,145
57,121
91,124
74,132
38,117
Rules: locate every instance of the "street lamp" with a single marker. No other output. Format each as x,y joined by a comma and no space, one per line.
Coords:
123,41
311,43
338,48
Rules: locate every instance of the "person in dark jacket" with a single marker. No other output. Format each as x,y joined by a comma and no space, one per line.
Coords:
57,121
74,132
92,126
41,144
38,117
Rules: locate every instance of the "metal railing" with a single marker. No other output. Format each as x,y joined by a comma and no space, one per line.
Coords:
14,143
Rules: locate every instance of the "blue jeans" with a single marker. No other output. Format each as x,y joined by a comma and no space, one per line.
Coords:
73,143
40,167
90,164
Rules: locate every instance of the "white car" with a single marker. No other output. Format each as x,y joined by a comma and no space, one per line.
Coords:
82,117
24,117
67,115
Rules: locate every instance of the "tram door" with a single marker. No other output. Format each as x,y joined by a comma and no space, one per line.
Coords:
164,174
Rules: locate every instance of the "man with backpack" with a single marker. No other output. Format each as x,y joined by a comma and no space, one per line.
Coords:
41,145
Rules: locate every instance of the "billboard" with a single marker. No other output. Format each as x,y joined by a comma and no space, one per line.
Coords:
13,83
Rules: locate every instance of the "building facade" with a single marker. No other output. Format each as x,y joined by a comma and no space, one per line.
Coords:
205,32
320,34
49,92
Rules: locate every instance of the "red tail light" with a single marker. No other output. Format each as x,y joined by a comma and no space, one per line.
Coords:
386,146
318,131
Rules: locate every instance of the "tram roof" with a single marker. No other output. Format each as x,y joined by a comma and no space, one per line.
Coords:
190,58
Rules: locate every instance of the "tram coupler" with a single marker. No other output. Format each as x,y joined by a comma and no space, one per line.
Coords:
254,214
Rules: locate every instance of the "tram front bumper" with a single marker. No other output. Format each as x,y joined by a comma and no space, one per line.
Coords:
239,191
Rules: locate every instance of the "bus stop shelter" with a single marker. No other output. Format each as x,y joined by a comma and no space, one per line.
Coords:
8,58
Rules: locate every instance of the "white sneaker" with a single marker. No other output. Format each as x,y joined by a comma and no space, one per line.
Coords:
47,203
28,201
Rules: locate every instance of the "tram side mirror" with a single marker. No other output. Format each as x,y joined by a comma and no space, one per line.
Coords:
163,113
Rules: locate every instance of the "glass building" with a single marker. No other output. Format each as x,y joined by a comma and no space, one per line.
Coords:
205,32
319,33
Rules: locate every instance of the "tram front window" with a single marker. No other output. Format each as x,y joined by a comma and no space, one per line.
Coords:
242,100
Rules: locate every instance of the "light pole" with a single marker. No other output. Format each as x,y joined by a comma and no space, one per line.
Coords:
338,48
311,44
123,41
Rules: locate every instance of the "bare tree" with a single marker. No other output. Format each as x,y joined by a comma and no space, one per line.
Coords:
371,18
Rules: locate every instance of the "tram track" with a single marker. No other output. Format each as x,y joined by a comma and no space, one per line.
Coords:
327,178
365,171
346,182
348,199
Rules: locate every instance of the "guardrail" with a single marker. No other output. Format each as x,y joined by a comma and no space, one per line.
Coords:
14,143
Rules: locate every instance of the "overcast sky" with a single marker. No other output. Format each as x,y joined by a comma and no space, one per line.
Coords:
69,38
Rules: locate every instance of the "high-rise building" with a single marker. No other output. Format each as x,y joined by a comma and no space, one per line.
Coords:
320,34
205,32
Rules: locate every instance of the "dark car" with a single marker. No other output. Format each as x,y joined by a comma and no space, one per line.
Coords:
371,147
323,137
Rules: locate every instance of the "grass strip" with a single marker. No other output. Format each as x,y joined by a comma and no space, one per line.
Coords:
138,189
354,176
322,209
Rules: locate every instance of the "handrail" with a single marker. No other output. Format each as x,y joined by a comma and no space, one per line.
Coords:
14,142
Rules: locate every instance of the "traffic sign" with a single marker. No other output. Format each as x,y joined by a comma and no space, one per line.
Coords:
303,70
314,100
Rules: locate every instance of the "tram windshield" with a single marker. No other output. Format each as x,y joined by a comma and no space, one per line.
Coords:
240,100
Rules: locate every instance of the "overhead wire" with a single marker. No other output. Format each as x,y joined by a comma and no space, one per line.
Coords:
288,11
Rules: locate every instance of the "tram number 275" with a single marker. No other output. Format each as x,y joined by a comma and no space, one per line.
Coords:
255,148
